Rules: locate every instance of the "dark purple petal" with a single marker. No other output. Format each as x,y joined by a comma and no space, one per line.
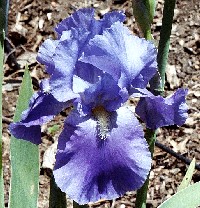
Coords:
42,108
89,168
180,106
104,93
129,59
87,72
28,133
157,111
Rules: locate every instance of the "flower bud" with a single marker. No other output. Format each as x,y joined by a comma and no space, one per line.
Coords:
143,11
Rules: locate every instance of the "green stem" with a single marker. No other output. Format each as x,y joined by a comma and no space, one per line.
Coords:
76,205
2,36
141,197
147,35
157,86
151,138
163,47
57,198
1,79
151,6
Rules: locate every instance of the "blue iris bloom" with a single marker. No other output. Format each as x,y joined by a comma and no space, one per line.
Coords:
95,66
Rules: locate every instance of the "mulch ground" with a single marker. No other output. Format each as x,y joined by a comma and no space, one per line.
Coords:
31,22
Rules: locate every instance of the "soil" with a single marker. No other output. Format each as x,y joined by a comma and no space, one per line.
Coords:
31,22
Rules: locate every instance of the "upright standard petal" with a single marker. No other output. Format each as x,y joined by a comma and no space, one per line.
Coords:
105,93
61,56
65,58
89,167
86,26
81,20
110,18
84,22
157,111
45,54
42,108
129,59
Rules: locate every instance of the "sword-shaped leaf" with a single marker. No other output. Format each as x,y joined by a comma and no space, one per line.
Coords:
24,158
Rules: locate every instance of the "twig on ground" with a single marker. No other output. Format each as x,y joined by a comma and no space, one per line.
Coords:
176,155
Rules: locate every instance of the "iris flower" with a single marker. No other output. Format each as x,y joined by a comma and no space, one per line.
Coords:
95,66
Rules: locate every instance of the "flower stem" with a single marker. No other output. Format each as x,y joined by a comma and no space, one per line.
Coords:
163,47
76,205
141,197
2,37
57,198
157,85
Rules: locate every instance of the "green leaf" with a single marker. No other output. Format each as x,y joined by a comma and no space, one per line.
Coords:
186,198
2,28
188,176
24,158
1,167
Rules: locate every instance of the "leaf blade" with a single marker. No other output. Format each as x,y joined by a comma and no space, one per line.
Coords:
24,158
2,37
188,176
186,198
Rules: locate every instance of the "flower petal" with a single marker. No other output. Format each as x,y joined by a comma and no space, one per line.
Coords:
42,108
87,72
104,93
45,54
61,56
129,59
157,111
65,58
81,20
111,17
21,131
84,22
89,168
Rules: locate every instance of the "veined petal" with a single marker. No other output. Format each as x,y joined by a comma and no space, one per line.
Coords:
46,52
112,17
84,22
105,92
86,26
87,72
157,111
42,108
61,56
28,133
140,92
129,59
65,58
89,168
